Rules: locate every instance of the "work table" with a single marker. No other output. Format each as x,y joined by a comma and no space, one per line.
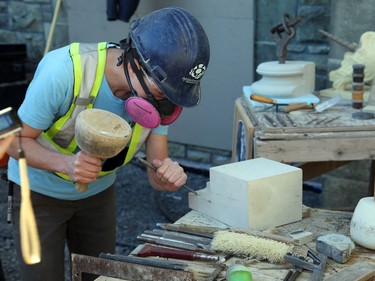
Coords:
318,142
317,221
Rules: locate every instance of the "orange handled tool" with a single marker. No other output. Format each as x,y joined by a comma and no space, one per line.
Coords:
30,243
289,106
264,99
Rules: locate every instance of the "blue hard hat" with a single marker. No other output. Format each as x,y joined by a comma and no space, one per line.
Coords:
174,49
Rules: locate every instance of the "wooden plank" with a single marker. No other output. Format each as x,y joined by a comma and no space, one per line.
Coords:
307,136
347,149
359,271
124,270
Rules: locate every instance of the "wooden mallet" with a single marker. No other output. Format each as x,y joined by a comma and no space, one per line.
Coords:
101,134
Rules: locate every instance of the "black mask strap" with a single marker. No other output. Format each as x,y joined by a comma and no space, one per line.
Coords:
128,56
165,107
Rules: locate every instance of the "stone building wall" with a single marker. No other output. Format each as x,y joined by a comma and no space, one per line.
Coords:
308,44
28,22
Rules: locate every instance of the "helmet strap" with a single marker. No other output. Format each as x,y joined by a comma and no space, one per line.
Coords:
139,75
144,112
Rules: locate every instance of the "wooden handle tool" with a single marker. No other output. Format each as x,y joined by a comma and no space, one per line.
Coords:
297,106
263,99
30,243
149,250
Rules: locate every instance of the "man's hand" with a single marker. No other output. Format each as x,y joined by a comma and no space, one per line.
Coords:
83,168
169,174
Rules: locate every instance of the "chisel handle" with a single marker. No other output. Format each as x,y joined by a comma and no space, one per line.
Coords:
297,106
150,250
30,243
262,99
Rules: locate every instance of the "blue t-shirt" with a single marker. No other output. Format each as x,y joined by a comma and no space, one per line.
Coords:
48,98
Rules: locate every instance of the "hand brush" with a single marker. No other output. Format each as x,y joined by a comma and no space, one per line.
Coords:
245,245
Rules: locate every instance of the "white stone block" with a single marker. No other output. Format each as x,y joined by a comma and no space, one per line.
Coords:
255,194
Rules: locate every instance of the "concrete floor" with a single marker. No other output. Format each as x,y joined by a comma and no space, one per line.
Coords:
139,208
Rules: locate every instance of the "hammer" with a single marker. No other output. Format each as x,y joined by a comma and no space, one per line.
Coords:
101,134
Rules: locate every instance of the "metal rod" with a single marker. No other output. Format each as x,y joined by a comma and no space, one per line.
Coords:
148,164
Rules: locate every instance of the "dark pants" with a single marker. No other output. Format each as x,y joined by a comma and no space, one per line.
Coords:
88,226
2,276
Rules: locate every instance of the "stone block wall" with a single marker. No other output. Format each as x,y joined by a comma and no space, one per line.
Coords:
28,22
308,44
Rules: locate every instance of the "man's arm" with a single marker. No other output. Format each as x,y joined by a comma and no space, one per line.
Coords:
5,143
169,175
80,167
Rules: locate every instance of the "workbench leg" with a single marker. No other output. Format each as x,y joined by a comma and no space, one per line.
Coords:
371,185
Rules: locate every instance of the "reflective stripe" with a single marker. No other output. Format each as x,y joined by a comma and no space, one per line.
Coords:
60,137
136,136
74,51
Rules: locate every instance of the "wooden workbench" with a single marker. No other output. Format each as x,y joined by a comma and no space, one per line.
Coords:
317,221
319,141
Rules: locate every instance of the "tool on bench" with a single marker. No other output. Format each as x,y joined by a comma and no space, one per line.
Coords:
328,103
204,231
290,120
290,106
281,120
293,274
156,263
189,238
180,244
148,164
219,268
269,119
148,250
317,266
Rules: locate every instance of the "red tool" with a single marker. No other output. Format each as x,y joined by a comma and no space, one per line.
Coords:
149,250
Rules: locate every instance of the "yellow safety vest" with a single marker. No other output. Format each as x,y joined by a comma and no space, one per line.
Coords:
60,136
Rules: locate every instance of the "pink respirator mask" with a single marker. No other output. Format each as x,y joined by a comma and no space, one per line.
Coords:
151,114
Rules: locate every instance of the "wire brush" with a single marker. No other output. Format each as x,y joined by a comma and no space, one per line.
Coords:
245,245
